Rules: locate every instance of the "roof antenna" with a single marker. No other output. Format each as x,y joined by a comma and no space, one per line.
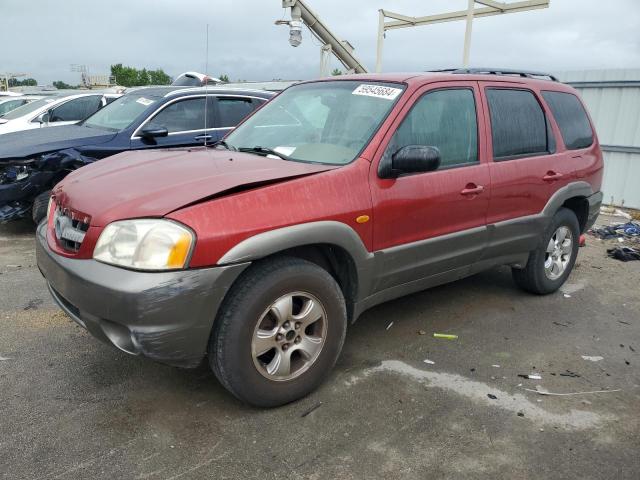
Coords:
206,87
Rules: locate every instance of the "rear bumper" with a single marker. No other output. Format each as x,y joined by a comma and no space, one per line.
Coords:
595,201
166,316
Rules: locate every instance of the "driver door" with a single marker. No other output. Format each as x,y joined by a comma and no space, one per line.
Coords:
184,120
433,224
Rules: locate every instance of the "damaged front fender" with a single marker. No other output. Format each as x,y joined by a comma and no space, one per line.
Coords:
23,180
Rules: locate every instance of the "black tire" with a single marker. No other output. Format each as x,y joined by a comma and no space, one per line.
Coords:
229,352
39,208
533,278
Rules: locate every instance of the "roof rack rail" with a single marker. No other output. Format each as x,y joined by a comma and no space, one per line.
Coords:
499,71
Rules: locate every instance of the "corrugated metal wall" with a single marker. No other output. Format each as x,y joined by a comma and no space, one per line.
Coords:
613,100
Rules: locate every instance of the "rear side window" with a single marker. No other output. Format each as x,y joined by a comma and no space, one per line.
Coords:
445,119
231,110
572,119
518,124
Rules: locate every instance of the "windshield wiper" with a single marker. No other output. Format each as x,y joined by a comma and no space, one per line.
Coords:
267,151
224,144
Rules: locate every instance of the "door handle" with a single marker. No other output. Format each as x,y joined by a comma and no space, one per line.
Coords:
552,176
472,189
203,138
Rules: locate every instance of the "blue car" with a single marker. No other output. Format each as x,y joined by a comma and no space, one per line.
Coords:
33,161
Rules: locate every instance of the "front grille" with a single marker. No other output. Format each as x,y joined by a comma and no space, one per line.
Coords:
69,231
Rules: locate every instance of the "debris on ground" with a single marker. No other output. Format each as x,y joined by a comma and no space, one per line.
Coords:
532,376
566,295
446,336
492,396
541,391
429,362
582,241
389,326
624,231
495,366
310,410
520,414
421,332
625,254
592,358
569,373
4,358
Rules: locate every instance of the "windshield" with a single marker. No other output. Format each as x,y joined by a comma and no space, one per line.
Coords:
28,108
326,122
120,113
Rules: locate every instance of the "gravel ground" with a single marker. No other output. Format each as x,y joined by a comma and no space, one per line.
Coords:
73,407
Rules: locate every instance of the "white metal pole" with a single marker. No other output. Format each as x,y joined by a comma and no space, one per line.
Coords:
467,34
380,41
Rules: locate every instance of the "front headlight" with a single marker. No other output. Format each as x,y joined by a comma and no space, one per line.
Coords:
145,244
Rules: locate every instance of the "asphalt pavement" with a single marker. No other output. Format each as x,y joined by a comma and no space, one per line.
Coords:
400,404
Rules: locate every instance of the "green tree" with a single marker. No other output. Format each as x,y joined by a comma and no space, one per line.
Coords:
132,77
60,85
158,77
224,78
336,71
27,82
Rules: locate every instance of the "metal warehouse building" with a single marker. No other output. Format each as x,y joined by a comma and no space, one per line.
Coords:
613,100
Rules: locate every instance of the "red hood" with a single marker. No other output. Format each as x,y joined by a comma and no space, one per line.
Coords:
154,183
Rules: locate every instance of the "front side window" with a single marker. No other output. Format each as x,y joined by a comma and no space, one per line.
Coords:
518,124
572,119
232,110
445,119
181,116
324,122
121,113
76,109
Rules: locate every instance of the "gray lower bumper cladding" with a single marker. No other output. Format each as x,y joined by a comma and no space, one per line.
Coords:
166,316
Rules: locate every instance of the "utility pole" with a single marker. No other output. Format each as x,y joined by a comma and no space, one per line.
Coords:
488,8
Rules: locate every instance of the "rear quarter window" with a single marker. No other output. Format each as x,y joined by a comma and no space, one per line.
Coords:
571,118
518,124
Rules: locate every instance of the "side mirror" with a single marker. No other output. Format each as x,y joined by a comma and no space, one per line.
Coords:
43,117
412,159
150,133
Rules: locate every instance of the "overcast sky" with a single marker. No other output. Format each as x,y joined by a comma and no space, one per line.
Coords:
42,38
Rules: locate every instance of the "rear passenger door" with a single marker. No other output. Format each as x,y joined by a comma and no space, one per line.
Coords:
432,224
526,167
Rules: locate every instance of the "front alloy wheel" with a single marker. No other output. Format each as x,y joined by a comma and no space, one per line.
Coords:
278,332
289,336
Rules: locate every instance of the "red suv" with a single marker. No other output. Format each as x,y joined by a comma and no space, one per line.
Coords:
335,196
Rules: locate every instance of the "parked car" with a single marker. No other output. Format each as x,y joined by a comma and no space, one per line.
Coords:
8,104
149,118
337,195
195,79
54,110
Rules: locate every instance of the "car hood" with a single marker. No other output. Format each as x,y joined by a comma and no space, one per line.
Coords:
29,143
140,184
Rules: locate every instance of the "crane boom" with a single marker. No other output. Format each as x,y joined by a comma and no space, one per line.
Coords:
343,51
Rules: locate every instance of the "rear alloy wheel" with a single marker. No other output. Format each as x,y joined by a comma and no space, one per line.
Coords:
558,254
278,332
551,263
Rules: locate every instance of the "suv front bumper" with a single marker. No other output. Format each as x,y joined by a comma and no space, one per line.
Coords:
166,316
